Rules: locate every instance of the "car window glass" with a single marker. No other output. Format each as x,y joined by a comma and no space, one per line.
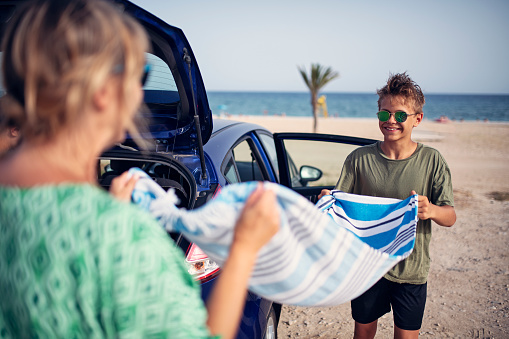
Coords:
268,144
326,156
159,77
161,97
160,91
294,172
246,163
230,173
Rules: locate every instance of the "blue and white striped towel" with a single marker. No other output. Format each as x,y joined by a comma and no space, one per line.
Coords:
316,258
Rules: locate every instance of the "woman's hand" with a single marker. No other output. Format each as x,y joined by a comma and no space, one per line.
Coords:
122,186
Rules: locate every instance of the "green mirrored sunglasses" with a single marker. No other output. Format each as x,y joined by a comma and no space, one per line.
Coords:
400,116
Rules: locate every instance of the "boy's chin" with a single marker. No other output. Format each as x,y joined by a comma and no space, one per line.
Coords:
395,136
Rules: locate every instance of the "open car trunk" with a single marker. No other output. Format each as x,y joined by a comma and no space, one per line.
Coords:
166,171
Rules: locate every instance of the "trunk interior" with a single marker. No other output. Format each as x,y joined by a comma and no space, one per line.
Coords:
164,170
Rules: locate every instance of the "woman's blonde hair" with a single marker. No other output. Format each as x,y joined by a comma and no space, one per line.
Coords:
57,54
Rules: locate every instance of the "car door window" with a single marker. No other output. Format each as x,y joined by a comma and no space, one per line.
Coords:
230,171
242,164
246,162
268,145
310,162
328,157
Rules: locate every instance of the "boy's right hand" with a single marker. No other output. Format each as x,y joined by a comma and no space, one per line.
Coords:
258,222
323,192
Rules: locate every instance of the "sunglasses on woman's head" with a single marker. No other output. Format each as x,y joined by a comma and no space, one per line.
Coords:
400,116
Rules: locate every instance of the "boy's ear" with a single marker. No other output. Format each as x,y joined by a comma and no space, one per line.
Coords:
418,119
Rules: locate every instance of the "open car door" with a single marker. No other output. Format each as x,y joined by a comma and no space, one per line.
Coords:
310,162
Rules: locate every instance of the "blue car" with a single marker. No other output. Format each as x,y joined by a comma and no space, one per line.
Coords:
198,155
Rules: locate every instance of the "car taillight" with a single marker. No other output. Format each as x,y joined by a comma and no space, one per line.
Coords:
199,265
217,191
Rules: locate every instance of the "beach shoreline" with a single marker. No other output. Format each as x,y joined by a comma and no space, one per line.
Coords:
468,284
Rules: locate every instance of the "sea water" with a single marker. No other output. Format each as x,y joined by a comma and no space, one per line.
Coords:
459,107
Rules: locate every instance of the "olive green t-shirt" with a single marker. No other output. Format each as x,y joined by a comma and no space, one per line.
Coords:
75,263
367,171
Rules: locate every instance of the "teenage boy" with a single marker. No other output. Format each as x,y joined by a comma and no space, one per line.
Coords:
398,167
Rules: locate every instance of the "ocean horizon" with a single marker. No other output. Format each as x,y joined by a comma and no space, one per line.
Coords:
468,107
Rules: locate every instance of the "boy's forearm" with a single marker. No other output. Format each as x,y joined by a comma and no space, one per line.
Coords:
444,215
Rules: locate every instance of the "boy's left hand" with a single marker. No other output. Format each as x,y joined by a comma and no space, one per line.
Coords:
443,215
424,206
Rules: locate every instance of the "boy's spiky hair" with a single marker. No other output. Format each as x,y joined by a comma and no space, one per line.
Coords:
403,86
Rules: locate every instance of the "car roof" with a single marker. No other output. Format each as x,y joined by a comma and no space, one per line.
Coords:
226,132
235,127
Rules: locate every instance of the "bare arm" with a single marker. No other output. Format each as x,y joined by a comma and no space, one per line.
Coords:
442,215
257,224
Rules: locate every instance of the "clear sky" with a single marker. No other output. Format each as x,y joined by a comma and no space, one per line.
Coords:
446,46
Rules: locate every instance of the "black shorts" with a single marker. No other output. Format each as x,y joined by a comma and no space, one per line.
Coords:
407,301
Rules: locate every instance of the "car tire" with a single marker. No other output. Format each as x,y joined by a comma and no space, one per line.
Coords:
271,328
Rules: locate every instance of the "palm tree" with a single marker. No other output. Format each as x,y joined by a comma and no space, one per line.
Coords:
318,78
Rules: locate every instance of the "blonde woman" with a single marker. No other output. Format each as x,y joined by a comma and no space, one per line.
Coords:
76,262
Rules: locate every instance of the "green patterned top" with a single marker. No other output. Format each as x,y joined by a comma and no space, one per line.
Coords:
76,263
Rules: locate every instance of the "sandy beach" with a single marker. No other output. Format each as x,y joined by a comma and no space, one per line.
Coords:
468,285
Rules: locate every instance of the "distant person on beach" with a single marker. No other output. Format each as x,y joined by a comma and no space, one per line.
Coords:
396,168
77,262
443,119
